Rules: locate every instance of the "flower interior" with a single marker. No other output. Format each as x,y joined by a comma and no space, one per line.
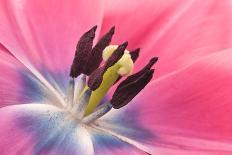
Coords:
96,69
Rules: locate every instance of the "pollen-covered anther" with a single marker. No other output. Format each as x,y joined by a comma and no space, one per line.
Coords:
95,57
87,59
130,87
83,49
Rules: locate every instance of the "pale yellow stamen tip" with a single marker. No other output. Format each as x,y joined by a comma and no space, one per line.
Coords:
125,63
123,67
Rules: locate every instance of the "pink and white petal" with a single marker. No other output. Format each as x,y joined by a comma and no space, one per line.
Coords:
178,33
105,143
109,142
44,33
189,109
17,85
41,129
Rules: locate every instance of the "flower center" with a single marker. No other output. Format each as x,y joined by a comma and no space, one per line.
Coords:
86,100
90,81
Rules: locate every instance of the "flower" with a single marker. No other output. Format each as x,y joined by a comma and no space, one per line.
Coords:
186,109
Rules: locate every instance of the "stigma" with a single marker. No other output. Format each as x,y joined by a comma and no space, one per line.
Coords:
125,63
96,69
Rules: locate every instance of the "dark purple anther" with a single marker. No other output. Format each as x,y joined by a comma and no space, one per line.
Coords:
127,91
95,57
95,79
135,54
132,85
83,49
141,72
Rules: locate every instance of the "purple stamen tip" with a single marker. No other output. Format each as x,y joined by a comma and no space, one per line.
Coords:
83,49
95,57
127,91
135,54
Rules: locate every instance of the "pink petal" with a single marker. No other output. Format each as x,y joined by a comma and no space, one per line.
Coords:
15,84
18,85
177,32
105,143
44,32
189,109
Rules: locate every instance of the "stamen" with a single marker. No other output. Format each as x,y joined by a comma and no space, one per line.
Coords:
70,93
116,55
130,87
95,57
107,79
79,88
118,62
125,93
96,77
83,102
135,54
121,97
83,50
105,108
141,72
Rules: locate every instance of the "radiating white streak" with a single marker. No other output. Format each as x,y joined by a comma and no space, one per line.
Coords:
70,92
124,139
84,141
40,77
80,84
79,109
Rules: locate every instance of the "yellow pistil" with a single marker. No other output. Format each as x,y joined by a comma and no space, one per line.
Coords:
123,67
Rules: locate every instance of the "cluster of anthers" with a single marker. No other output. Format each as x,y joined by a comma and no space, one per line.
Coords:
90,78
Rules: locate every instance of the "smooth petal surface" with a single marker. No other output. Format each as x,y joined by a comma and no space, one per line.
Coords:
17,85
41,129
189,109
45,33
177,32
113,144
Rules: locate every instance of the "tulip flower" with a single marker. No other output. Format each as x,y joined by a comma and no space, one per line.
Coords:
84,77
